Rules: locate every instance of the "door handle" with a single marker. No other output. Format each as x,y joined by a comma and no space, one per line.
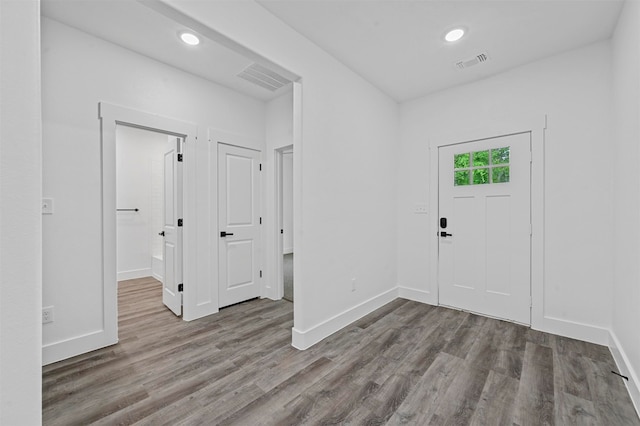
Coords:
445,234
161,233
224,234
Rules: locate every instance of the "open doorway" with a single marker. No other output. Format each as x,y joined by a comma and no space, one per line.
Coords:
139,198
148,212
287,223
284,211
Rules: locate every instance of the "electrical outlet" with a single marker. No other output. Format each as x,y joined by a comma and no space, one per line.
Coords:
47,314
353,284
47,206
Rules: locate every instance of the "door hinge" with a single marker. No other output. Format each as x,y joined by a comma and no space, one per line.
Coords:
179,158
282,231
180,222
260,221
260,274
180,287
260,166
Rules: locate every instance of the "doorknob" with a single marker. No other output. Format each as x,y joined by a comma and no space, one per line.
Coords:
224,234
161,233
444,234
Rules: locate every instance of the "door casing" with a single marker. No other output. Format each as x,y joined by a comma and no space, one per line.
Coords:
112,116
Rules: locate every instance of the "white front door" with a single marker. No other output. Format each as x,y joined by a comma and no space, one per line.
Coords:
172,229
239,223
485,227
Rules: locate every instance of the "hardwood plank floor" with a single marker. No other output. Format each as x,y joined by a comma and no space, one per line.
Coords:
406,363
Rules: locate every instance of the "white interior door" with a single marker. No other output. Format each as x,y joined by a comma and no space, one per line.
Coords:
239,223
172,226
485,245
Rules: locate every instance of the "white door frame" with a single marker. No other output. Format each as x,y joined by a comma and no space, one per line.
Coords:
536,126
279,219
111,116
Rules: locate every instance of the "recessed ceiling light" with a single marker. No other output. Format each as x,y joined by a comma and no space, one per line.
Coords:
189,38
454,35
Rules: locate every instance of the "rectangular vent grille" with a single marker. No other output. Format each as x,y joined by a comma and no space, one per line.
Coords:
478,59
263,77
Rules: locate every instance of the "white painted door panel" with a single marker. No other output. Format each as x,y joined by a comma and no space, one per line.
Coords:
239,224
484,265
172,246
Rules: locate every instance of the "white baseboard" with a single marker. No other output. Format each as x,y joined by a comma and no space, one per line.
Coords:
54,352
574,330
417,295
626,369
306,339
133,274
157,268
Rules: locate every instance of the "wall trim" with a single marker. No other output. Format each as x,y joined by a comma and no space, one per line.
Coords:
625,368
417,295
305,339
57,351
157,268
134,273
574,330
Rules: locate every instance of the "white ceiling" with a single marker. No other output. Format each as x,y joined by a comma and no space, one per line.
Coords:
398,45
395,44
136,27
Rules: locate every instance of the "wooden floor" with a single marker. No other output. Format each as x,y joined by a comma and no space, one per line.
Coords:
406,363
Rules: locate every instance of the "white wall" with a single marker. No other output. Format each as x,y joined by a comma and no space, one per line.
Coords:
78,72
139,184
574,90
345,174
20,214
626,226
287,202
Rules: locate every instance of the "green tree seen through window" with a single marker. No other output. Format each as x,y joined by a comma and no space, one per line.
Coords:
461,161
500,155
481,158
480,176
481,167
461,177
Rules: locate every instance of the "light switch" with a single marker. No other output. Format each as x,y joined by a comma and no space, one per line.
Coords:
47,206
420,209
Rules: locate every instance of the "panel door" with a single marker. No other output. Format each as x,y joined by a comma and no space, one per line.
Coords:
172,246
484,254
239,221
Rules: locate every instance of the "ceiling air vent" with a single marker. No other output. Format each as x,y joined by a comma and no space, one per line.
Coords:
478,59
263,77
